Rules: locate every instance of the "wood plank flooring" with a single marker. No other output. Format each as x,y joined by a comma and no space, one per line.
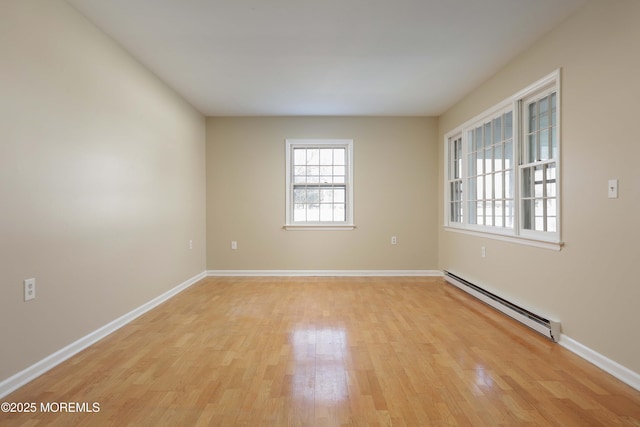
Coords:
327,352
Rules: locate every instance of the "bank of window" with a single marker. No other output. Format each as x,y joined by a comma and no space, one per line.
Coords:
507,162
319,183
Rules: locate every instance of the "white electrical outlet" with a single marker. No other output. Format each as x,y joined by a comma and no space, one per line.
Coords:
190,244
483,251
234,245
29,289
394,240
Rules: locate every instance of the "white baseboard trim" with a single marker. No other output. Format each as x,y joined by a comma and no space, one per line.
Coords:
32,372
324,273
622,373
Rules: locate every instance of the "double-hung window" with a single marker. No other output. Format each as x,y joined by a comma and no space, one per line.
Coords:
539,167
319,180
454,183
502,168
490,171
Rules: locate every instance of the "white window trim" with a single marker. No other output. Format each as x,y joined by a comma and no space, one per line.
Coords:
290,144
518,235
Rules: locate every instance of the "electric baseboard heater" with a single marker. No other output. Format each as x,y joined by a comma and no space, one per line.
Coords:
548,328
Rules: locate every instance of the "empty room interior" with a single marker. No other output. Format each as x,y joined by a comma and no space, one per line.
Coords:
319,213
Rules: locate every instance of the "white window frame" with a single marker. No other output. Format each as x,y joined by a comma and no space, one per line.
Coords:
290,223
516,103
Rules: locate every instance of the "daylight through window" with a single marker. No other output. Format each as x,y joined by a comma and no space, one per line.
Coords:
502,167
319,183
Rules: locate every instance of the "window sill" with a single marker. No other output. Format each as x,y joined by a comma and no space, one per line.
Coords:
544,244
318,227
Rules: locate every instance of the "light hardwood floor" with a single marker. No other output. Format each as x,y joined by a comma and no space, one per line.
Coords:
328,352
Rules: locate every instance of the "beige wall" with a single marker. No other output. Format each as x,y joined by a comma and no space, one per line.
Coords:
102,182
591,286
395,175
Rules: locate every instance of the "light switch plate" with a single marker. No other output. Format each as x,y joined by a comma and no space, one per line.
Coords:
613,189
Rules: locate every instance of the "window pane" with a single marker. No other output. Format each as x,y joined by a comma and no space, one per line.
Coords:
488,160
509,214
313,156
538,184
527,214
532,117
543,106
527,182
472,212
498,185
551,172
299,195
339,170
488,217
339,156
508,184
313,212
539,208
326,170
326,212
478,139
326,156
326,195
551,207
472,188
508,154
458,158
487,135
299,156
480,162
497,155
488,186
508,125
313,195
499,213
544,145
339,212
552,224
480,213
533,149
472,163
338,195
551,189
299,212
497,130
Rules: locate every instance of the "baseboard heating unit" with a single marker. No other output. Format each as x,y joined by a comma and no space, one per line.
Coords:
548,328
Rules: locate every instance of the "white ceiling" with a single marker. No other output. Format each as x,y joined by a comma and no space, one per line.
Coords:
324,57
